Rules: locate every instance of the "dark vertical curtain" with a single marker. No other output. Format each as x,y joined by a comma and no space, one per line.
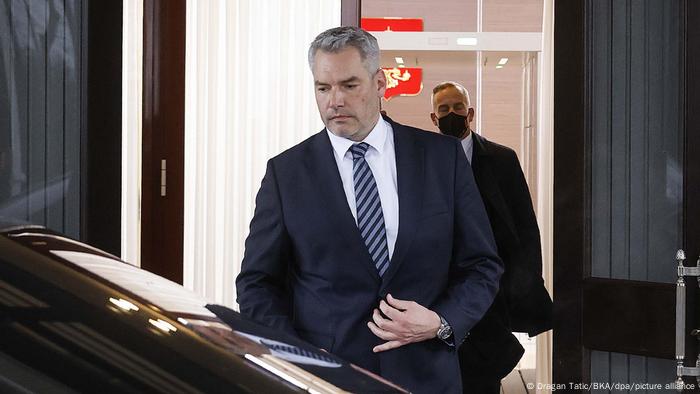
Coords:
40,113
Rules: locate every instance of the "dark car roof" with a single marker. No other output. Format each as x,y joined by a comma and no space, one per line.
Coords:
169,317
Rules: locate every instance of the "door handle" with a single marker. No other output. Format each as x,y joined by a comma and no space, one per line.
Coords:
682,370
163,180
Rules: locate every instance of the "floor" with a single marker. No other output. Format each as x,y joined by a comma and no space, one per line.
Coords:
518,381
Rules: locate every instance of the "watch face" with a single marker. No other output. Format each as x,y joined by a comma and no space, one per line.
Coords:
444,332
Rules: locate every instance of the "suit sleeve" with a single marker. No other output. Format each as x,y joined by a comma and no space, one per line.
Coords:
262,288
476,268
529,302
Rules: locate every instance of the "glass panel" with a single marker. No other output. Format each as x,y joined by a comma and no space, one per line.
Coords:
636,139
447,15
462,15
437,66
636,157
512,15
504,85
40,113
506,104
623,369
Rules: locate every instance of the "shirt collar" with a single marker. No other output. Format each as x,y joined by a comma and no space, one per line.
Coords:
376,139
468,145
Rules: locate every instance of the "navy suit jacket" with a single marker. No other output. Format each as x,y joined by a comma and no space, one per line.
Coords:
307,271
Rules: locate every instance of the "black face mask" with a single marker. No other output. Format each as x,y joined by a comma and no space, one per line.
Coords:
453,124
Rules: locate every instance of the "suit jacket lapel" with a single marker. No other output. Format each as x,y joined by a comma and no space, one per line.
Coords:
321,165
409,174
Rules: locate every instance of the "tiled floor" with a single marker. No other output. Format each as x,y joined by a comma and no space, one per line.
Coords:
517,381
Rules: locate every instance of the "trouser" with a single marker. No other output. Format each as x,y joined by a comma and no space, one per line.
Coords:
481,385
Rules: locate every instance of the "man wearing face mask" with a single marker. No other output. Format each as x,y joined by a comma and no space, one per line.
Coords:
522,304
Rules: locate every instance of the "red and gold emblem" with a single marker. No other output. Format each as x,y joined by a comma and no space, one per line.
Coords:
403,81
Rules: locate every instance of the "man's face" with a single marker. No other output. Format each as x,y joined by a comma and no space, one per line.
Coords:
451,100
346,94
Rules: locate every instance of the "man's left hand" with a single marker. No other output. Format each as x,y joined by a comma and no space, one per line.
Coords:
408,322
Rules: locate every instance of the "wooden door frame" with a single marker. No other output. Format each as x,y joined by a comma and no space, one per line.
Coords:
101,125
570,229
163,137
691,171
350,12
575,331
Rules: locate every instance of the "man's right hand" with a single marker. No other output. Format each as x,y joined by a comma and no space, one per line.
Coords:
406,322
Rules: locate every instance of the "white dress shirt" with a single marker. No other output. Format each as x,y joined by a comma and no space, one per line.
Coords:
381,159
468,146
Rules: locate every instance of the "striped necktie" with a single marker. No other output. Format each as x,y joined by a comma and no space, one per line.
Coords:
370,218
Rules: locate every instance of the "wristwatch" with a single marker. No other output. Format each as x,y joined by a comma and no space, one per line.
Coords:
445,330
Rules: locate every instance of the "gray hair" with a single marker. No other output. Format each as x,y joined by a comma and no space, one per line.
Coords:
339,38
451,84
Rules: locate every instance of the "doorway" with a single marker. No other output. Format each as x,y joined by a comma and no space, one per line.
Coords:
626,194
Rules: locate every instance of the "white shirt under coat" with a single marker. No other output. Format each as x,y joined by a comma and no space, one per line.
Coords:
468,146
381,158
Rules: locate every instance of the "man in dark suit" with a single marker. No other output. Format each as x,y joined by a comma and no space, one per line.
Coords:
522,304
370,239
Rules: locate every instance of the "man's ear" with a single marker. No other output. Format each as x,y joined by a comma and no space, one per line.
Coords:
470,115
381,82
434,119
